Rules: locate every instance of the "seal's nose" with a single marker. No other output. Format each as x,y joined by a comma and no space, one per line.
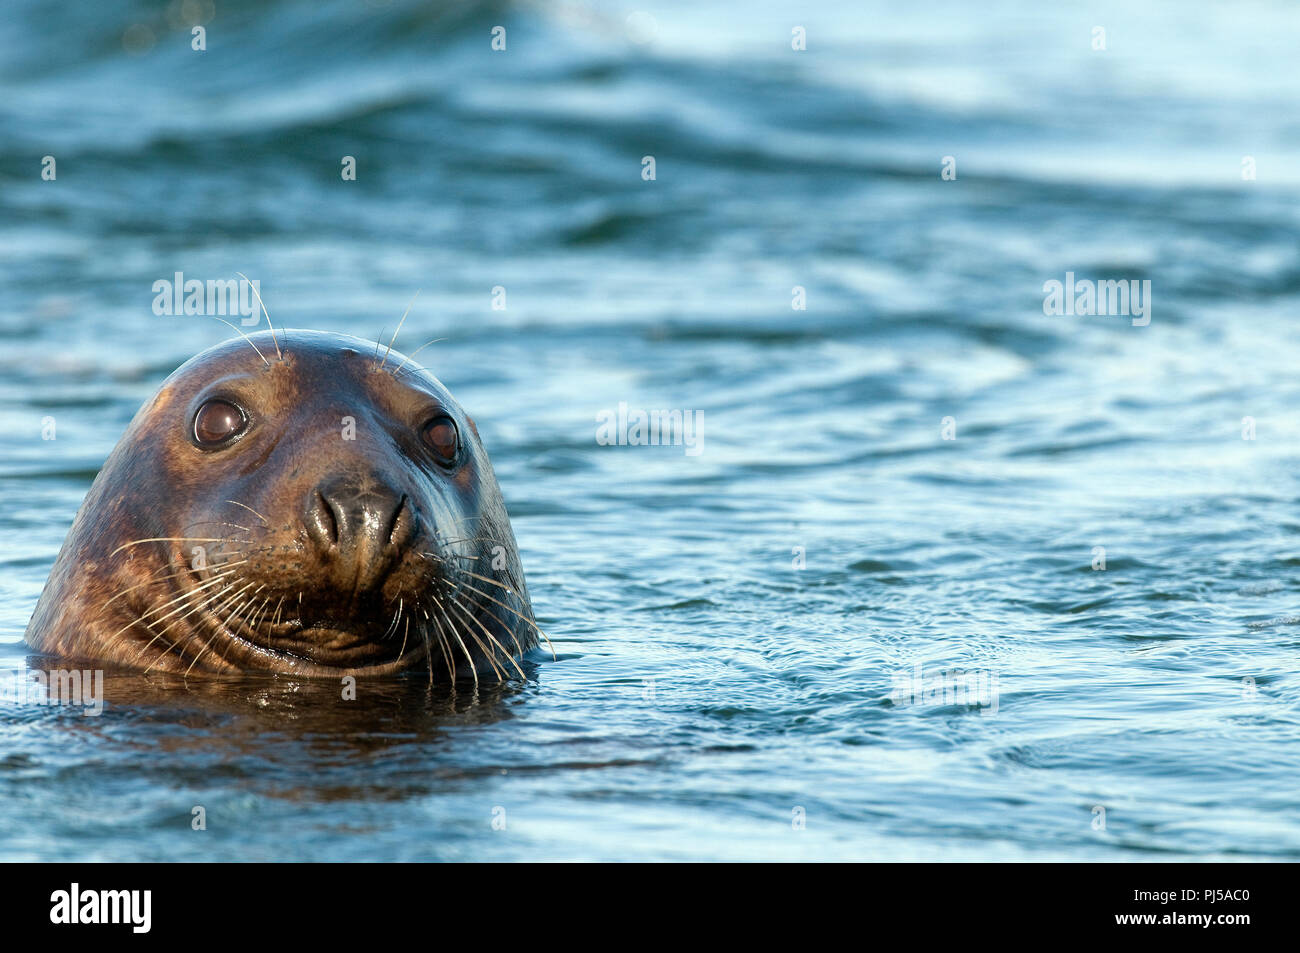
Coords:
361,526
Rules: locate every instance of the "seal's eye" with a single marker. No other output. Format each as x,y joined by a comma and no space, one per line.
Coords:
217,421
441,437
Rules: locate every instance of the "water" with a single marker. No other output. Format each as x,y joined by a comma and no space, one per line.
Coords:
707,694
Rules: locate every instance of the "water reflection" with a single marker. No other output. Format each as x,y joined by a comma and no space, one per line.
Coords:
316,726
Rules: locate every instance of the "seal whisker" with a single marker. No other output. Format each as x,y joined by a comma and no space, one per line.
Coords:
460,520
162,652
489,655
183,597
472,539
392,627
213,604
156,636
229,642
478,604
157,579
242,335
448,656
489,580
217,631
428,652
251,510
240,611
525,618
278,355
399,328
456,635
246,529
256,620
535,627
444,553
215,598
415,352
455,604
501,622
249,623
442,636
171,539
201,587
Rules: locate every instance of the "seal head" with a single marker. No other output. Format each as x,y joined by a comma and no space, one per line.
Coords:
297,506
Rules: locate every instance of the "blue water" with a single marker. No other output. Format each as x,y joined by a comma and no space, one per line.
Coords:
709,700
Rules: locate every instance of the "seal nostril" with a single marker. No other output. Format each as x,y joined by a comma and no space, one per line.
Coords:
325,521
402,527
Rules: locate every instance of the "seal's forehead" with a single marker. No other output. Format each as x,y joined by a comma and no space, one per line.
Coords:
311,359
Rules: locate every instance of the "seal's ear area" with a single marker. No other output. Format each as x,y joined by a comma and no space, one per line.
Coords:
472,426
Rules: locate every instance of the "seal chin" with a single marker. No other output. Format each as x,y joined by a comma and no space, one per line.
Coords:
289,645
319,650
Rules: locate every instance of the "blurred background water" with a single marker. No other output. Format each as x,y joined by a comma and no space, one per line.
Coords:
710,701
